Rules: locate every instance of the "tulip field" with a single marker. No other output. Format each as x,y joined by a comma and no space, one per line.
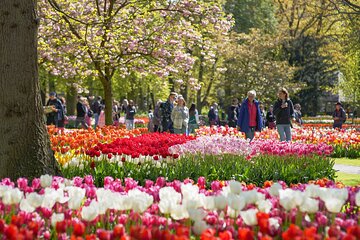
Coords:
120,184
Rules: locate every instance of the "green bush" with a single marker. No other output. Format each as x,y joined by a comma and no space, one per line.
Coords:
291,169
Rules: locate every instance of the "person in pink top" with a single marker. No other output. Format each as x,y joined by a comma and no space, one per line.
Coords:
250,117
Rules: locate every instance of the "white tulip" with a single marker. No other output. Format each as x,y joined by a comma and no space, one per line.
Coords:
249,217
197,214
76,196
274,223
34,199
4,189
274,189
312,190
165,206
264,205
235,187
236,202
12,196
179,212
287,199
357,198
208,202
89,213
169,193
26,206
310,205
57,217
220,202
46,180
199,227
334,205
253,196
189,191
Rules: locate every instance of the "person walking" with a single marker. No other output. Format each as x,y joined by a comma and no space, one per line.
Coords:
96,107
56,113
64,120
213,115
180,116
250,118
157,117
270,118
284,114
80,113
297,114
193,118
130,115
166,109
233,113
339,116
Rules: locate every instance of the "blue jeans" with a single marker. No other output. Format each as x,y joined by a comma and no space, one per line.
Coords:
250,134
129,124
96,116
284,131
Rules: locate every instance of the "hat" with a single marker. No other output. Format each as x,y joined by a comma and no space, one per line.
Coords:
52,94
180,97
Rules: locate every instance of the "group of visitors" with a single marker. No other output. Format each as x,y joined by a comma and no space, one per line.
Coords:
174,116
86,109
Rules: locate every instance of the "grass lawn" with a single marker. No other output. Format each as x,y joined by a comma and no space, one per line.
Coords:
348,161
348,179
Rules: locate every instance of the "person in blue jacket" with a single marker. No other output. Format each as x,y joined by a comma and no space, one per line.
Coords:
250,117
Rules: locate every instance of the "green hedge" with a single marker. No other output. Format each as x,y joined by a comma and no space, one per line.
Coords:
291,169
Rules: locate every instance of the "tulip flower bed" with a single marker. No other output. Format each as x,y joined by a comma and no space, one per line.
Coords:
58,208
80,140
346,142
289,168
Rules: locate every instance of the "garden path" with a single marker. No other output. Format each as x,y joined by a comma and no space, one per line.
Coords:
347,168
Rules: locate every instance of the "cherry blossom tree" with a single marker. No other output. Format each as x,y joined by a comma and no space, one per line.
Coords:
102,37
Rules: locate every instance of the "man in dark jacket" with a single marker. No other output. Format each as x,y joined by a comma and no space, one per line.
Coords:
250,118
165,113
233,112
57,113
96,107
339,116
80,113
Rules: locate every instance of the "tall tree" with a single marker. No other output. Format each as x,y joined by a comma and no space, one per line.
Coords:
117,35
25,147
252,14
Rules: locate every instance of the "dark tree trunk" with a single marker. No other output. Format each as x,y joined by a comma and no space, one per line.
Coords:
25,147
108,102
71,99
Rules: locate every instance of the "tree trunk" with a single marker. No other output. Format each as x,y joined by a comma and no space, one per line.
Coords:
200,79
108,102
25,147
71,99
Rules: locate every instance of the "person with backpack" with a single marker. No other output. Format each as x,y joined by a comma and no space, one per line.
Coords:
339,116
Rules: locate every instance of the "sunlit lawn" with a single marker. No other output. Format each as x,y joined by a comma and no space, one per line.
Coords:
348,161
348,179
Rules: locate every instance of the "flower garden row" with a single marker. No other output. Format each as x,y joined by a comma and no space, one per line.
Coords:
58,208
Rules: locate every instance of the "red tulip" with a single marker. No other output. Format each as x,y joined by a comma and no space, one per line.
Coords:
60,227
245,234
79,229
